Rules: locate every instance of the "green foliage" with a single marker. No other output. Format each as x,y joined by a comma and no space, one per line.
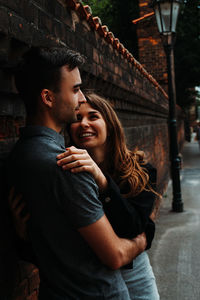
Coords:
117,15
187,53
99,6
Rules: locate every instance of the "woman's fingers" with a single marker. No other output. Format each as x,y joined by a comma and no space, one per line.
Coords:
11,195
70,151
19,209
14,201
77,160
71,158
81,169
77,163
26,218
72,164
73,149
16,206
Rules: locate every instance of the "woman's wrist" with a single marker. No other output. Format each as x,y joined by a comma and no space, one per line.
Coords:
102,182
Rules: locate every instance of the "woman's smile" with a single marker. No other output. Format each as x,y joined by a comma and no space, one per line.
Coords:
90,130
86,134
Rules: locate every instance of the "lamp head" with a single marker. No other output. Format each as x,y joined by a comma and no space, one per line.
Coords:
166,12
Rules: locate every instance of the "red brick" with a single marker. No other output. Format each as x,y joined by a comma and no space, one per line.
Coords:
21,291
33,296
34,280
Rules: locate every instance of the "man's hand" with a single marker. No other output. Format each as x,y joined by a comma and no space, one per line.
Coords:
141,242
113,251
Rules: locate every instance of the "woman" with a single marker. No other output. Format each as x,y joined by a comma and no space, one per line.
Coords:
125,183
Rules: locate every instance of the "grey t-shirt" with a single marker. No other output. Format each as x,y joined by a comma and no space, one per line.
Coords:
60,202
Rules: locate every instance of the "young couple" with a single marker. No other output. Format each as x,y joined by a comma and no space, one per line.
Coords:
89,204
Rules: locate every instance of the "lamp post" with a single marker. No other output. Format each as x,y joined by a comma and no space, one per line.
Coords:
166,12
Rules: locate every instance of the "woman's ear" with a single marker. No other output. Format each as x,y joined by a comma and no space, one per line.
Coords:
47,97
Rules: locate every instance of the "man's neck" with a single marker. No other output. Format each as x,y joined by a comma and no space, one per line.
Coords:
46,122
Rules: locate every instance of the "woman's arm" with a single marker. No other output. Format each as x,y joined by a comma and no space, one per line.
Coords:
126,220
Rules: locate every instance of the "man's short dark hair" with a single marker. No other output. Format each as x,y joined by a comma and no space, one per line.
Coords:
40,69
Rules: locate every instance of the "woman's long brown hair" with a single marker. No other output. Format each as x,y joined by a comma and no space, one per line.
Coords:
123,165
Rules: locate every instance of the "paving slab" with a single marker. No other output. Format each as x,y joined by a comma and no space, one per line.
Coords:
175,252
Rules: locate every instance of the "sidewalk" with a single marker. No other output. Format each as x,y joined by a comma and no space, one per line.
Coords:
175,252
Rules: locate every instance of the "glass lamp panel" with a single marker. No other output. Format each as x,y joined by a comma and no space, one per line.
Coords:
166,16
175,12
158,17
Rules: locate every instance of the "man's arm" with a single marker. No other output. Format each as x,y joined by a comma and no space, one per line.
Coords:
111,250
85,212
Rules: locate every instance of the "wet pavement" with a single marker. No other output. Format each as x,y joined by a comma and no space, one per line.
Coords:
175,254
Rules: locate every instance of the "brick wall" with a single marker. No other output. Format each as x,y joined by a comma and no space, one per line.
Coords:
111,70
152,56
151,52
27,282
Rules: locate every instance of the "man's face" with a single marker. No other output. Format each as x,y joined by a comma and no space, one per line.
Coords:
69,98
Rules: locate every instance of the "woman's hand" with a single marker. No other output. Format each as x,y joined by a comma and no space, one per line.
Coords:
78,160
16,205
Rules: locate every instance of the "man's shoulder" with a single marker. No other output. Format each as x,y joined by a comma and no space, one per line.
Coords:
83,181
34,146
34,156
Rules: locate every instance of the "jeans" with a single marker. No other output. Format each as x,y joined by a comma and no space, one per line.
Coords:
140,280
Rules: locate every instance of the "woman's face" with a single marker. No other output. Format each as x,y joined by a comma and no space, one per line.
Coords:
89,131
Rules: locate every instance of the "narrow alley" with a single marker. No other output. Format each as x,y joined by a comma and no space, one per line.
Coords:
175,252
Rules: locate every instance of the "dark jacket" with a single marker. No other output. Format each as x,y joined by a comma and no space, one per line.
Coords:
131,216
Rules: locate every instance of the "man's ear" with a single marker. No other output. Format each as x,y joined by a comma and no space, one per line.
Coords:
47,97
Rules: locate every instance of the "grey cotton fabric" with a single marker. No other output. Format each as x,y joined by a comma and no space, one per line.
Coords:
60,202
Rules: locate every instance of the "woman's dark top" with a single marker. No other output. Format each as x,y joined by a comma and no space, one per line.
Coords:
131,216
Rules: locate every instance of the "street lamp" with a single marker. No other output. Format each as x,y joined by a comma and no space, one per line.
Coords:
166,12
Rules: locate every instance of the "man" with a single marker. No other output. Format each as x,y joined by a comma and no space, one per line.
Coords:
77,251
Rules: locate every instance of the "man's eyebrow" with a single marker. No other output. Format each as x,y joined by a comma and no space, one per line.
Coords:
77,85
